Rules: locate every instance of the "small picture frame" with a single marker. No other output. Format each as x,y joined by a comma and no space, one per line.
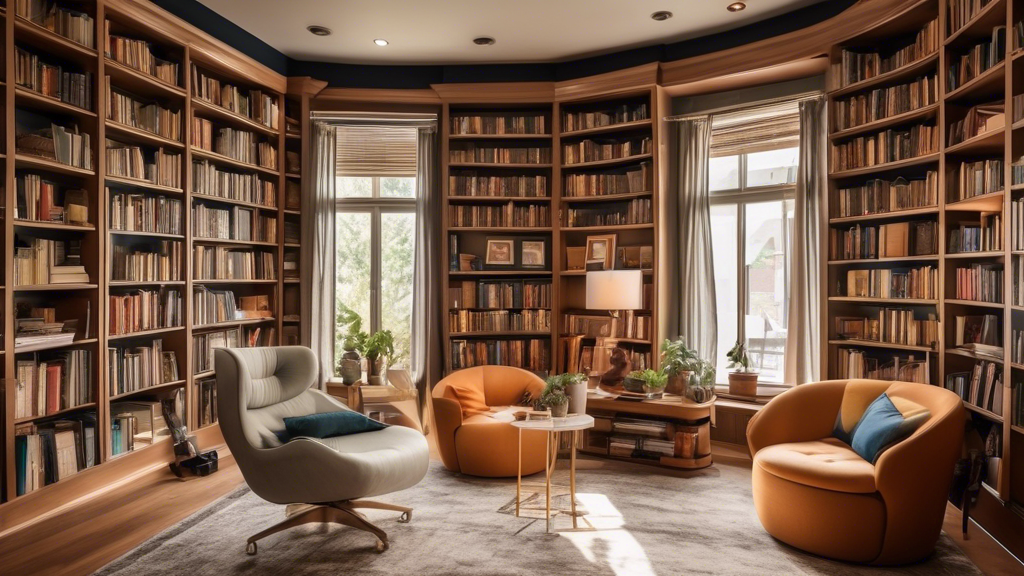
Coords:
533,253
500,252
576,257
601,251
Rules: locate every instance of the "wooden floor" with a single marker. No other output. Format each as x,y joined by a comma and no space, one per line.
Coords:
113,523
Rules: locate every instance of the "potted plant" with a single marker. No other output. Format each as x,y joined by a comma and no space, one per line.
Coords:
349,323
678,362
742,378
554,398
377,349
572,385
654,381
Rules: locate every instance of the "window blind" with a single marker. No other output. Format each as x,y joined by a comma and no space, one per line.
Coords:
756,129
376,151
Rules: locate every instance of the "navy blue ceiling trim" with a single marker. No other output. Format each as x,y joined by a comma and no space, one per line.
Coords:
405,77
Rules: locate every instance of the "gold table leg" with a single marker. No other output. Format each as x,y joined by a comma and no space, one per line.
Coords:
572,477
547,473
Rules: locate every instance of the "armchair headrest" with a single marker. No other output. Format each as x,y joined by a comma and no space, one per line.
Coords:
275,374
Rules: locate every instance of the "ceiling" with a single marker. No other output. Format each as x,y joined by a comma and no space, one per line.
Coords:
441,31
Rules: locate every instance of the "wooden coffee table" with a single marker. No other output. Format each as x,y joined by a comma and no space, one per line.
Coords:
554,428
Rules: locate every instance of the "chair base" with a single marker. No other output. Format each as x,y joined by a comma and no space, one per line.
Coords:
342,512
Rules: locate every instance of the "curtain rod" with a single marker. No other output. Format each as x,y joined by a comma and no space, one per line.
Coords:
753,106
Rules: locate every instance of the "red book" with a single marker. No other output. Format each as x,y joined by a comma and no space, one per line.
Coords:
52,388
45,201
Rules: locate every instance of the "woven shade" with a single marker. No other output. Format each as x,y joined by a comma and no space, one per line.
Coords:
757,129
376,151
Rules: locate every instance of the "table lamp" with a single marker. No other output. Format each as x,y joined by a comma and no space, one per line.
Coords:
615,290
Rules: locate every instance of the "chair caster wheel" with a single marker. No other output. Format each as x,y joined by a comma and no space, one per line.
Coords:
405,517
382,546
250,548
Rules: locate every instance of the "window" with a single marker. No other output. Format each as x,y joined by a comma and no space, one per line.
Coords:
375,234
752,221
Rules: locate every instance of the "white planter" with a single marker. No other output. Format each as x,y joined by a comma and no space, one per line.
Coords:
577,394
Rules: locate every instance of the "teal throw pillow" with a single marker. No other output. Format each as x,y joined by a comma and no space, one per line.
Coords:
328,425
882,425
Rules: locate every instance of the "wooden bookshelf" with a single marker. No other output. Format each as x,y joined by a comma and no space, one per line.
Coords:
999,83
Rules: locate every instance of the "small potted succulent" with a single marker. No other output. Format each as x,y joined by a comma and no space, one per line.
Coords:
557,402
653,381
742,378
378,349
680,364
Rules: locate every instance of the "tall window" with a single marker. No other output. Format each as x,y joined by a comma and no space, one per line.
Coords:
375,232
752,185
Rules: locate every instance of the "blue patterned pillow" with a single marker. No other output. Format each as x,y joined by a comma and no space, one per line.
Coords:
884,424
328,425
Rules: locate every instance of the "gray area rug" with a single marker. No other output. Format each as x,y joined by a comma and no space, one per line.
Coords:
647,521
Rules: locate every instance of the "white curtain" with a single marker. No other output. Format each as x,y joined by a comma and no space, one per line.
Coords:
317,265
691,273
427,334
803,342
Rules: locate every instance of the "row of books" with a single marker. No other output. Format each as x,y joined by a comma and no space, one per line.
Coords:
142,309
594,149
134,368
210,180
970,179
48,452
920,283
204,344
890,326
636,211
882,103
468,183
631,324
74,25
530,354
620,114
154,261
981,387
240,145
506,215
462,321
234,223
148,116
66,146
220,263
890,145
214,306
857,65
52,80
980,283
978,120
960,12
878,196
883,240
620,181
43,261
1017,294
255,105
128,161
473,154
983,236
979,58
499,124
855,363
206,400
145,213
1017,224
1017,171
138,54
1017,399
500,294
38,199
979,333
1017,348
48,384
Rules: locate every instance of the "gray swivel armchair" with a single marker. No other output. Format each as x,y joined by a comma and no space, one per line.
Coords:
320,480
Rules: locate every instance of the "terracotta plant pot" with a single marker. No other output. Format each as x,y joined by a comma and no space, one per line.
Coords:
677,383
743,383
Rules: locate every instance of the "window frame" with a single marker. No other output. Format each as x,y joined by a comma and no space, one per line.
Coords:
741,197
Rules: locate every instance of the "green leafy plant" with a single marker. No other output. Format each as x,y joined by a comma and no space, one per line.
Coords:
738,359
653,378
555,399
554,388
380,345
677,358
350,324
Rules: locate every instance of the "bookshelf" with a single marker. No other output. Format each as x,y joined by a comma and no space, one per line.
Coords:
140,194
955,197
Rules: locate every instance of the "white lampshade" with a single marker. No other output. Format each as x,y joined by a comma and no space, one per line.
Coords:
615,290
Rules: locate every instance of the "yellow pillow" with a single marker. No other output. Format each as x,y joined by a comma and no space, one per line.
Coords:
470,398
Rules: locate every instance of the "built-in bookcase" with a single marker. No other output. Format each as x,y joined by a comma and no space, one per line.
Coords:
920,234
133,224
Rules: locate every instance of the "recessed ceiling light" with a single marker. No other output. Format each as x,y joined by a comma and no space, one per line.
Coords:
736,6
483,41
380,42
661,15
319,30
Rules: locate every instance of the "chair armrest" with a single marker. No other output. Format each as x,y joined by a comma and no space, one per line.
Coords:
801,414
447,419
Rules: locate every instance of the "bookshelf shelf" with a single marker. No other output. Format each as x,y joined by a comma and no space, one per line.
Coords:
73,344
52,42
974,303
21,223
503,334
886,215
972,355
208,198
610,129
909,71
231,323
25,98
923,113
608,162
500,136
156,283
142,184
39,163
887,166
986,143
584,272
873,344
293,175
987,414
604,198
133,135
85,406
204,108
145,234
994,14
884,260
877,301
139,82
991,202
986,82
500,229
144,333
150,390
201,240
496,199
54,287
485,273
611,228
967,255
498,165
231,281
231,162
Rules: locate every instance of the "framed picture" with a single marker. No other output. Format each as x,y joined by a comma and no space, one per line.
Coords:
601,251
575,257
533,253
501,252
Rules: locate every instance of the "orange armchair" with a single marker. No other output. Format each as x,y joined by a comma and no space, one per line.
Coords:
812,491
473,443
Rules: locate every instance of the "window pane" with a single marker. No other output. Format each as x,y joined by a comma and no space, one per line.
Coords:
768,290
724,173
352,270
398,187
397,245
772,168
726,257
354,187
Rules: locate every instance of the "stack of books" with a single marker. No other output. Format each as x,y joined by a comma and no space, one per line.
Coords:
37,199
52,80
981,387
39,261
49,452
144,213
